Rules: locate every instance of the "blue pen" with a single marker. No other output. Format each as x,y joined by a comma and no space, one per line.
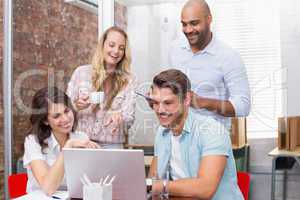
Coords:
55,197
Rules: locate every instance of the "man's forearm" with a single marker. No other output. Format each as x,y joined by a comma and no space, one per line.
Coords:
192,187
222,107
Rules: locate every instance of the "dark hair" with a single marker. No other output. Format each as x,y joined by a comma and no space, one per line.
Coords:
174,79
40,106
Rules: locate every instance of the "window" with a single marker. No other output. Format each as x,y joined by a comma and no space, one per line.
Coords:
253,28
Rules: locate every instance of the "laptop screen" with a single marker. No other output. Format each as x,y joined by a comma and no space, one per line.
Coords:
126,165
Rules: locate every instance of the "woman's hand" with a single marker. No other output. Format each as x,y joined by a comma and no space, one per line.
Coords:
81,143
114,120
82,103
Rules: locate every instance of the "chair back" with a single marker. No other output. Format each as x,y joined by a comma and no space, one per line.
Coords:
244,183
17,184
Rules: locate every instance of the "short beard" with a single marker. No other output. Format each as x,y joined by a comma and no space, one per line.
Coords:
176,122
202,38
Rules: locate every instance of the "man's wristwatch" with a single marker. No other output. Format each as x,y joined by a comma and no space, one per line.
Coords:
149,184
165,191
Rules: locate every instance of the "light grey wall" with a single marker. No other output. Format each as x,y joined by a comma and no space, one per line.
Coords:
151,29
260,163
290,45
260,169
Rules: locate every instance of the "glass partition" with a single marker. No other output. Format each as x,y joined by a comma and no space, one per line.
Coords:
151,27
50,39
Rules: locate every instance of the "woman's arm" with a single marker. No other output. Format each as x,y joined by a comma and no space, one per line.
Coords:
80,77
50,177
124,116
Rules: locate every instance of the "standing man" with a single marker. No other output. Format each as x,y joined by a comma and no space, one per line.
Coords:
218,75
190,149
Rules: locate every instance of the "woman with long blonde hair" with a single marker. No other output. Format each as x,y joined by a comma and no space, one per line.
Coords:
107,122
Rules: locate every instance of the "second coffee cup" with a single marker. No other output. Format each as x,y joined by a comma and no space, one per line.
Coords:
96,97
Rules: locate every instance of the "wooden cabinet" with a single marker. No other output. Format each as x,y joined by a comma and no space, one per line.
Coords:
238,131
289,133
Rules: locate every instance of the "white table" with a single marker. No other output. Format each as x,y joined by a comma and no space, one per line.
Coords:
276,153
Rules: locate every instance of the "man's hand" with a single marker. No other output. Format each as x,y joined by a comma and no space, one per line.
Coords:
222,107
157,187
197,101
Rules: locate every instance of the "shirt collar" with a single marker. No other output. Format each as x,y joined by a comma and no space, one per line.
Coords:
187,128
211,48
52,142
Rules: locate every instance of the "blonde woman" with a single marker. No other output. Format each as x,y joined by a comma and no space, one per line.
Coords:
107,122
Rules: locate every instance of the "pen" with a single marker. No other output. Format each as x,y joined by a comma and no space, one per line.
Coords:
147,98
111,180
55,197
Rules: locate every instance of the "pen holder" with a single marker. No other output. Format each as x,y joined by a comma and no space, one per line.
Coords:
97,192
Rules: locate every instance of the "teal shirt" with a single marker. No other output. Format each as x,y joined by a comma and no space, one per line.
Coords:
201,136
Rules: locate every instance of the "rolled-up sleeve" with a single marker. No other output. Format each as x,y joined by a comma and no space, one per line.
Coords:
215,140
236,80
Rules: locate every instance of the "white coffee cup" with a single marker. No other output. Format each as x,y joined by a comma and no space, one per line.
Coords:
97,192
96,97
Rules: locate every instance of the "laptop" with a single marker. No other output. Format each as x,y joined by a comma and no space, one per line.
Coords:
126,165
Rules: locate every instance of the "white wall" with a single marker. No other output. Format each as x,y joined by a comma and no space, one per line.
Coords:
290,47
151,28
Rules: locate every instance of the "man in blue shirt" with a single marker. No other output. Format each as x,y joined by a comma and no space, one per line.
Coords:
191,150
217,73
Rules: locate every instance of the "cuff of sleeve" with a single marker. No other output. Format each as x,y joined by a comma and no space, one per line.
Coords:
241,108
26,162
216,153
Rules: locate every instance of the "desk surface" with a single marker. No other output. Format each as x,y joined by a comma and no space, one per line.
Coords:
158,198
279,152
141,146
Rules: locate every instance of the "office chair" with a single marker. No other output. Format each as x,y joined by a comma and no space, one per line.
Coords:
244,183
17,185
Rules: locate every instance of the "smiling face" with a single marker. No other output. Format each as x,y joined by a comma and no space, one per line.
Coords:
60,118
196,25
169,108
113,50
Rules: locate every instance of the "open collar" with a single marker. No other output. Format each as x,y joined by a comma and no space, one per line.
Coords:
211,48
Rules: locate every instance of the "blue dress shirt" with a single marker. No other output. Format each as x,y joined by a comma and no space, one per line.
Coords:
215,72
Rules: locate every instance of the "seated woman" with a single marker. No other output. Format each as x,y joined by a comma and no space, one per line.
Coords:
53,119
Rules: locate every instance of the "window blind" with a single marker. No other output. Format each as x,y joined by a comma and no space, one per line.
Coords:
253,28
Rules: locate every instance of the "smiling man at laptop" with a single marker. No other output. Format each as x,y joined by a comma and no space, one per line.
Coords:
191,148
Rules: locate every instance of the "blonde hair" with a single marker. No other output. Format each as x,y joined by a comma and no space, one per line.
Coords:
119,79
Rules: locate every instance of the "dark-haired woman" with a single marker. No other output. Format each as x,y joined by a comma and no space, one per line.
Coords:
53,119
